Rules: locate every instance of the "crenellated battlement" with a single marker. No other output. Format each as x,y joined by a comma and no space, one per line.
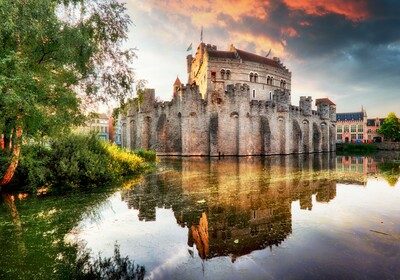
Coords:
222,116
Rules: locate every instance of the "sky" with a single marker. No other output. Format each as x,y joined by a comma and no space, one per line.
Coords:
348,51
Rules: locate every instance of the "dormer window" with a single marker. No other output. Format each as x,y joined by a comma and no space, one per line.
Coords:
251,76
223,74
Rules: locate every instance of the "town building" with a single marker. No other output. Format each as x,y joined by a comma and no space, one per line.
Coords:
357,128
235,103
99,124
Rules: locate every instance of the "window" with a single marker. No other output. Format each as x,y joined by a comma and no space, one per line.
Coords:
106,129
228,74
283,84
369,137
339,136
251,76
268,80
361,136
360,128
223,74
369,130
254,93
339,128
346,128
353,128
353,136
255,77
213,76
270,95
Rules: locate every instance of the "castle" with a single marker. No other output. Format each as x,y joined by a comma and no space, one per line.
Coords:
235,103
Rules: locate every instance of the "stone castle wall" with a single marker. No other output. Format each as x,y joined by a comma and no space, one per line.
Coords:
228,122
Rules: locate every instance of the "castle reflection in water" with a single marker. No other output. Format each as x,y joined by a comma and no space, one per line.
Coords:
233,206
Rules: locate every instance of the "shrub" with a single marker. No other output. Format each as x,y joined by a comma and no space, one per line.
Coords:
78,160
148,155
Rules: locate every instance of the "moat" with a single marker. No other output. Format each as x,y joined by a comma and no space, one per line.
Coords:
317,216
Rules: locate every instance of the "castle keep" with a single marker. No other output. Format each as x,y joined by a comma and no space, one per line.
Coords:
235,103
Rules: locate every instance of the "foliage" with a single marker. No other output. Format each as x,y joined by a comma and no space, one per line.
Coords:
49,51
39,248
355,149
390,171
391,127
78,160
148,155
104,268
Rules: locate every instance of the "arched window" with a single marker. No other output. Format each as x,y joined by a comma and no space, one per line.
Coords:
251,76
270,95
268,80
271,81
255,77
222,74
284,84
228,74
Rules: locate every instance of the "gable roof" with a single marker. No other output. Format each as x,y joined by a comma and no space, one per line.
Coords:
245,56
356,116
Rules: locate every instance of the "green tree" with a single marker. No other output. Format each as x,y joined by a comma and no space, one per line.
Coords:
55,56
391,127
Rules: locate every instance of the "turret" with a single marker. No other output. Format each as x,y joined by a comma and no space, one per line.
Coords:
189,60
326,109
176,86
282,98
306,105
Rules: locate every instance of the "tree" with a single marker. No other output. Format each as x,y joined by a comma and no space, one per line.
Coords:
56,55
390,127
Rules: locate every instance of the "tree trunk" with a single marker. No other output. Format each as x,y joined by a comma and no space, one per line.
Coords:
9,201
8,175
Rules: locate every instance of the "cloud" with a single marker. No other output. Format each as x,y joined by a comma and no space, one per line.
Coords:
354,10
347,47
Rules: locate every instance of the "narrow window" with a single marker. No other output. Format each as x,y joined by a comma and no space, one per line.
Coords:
213,76
251,76
270,95
254,93
255,77
223,74
228,74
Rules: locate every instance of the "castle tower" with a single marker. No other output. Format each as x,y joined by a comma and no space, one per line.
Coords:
177,86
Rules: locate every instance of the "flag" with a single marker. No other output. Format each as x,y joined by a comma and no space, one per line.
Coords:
269,52
189,48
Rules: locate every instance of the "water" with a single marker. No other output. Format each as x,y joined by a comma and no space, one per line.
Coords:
285,217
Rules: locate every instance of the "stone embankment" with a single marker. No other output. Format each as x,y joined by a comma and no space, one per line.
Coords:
391,146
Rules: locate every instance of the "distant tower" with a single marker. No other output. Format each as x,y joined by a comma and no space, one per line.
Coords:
177,86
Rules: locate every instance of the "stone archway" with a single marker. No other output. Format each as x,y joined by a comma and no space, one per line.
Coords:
316,138
265,132
297,138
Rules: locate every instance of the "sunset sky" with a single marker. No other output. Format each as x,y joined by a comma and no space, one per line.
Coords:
348,51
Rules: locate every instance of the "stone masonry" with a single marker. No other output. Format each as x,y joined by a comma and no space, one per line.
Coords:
231,114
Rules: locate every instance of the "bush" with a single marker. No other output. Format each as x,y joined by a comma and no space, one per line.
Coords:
148,155
78,160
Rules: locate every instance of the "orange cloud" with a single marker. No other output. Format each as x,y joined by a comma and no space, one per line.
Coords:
354,10
205,13
290,31
262,43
